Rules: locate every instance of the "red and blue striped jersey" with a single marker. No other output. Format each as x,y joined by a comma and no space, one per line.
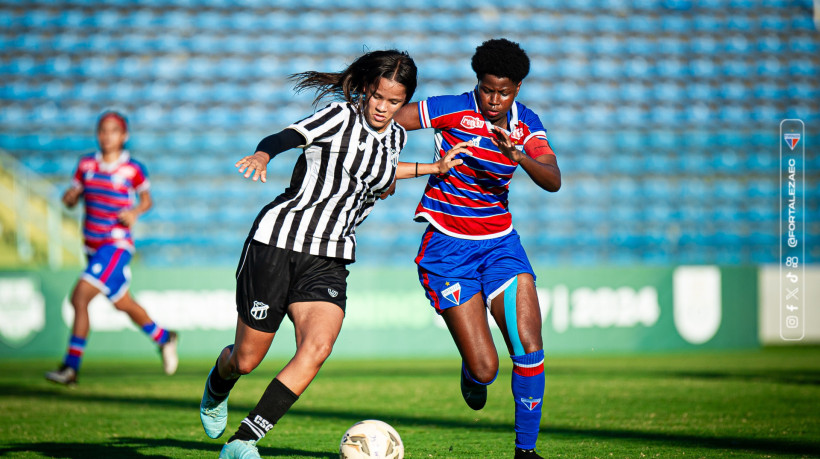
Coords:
470,202
108,189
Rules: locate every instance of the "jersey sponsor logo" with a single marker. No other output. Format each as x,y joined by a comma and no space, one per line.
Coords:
332,293
472,122
453,293
127,172
791,139
259,310
530,402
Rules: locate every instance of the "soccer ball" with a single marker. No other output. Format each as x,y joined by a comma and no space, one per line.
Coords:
370,439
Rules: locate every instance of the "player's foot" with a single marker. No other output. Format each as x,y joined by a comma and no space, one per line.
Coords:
213,413
240,449
526,454
168,350
64,375
474,394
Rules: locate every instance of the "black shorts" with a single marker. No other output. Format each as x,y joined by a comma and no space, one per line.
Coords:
269,279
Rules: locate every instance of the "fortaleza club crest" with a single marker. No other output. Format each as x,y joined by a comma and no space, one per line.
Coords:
530,402
452,293
791,139
259,310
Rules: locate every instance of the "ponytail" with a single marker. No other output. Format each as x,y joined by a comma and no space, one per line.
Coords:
364,73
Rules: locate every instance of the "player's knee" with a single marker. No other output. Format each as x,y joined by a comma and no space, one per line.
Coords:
244,366
318,350
485,370
78,302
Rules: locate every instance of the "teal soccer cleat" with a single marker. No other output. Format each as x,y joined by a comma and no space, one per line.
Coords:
214,414
240,449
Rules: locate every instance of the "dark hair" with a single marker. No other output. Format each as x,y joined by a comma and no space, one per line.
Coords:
113,114
502,58
364,73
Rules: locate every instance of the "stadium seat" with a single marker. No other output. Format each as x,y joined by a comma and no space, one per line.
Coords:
673,102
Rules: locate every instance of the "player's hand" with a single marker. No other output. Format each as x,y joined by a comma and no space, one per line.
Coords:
256,164
390,191
506,145
127,217
447,162
71,196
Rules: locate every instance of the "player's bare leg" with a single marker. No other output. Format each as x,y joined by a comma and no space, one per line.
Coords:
317,326
468,325
67,372
518,315
81,297
528,315
129,305
249,348
165,339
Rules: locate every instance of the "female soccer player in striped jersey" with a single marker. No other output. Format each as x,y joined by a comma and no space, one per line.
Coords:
294,260
470,255
108,181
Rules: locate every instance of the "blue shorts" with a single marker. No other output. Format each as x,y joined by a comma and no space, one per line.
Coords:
452,270
108,271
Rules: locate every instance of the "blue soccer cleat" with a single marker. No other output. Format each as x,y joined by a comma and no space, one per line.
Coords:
240,449
213,413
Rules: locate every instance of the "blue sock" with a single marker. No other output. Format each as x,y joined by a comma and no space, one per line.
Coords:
528,393
156,333
74,355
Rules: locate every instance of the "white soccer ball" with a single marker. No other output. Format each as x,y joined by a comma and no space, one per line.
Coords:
369,439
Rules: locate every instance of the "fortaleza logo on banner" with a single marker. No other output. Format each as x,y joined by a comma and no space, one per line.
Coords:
22,310
791,139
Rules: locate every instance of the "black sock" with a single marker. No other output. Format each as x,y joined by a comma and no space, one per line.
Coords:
275,402
219,388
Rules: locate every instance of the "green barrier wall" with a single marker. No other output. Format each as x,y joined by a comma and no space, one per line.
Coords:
583,310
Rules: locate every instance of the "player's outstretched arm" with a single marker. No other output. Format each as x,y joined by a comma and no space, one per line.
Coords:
72,196
538,159
129,217
270,146
442,166
256,164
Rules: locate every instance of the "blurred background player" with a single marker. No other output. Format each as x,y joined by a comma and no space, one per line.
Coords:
108,181
295,258
470,255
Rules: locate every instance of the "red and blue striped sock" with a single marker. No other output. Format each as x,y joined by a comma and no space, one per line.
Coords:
528,393
74,355
157,333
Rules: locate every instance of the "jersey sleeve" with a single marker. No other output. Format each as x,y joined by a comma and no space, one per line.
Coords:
324,123
535,143
434,110
140,179
77,180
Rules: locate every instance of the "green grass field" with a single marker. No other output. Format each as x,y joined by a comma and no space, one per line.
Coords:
741,404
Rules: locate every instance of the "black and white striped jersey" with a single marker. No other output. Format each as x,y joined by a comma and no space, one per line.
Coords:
343,169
